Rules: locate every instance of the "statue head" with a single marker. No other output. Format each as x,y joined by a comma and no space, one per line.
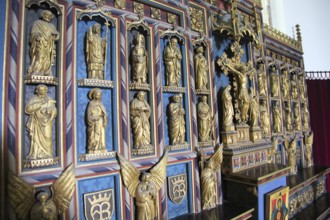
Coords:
139,38
204,98
200,49
41,90
95,94
174,42
47,15
140,95
97,28
176,98
145,177
42,197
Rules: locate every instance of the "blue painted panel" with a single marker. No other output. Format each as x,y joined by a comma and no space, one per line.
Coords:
186,204
266,188
98,184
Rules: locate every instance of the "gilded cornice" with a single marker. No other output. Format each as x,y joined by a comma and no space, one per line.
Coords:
283,38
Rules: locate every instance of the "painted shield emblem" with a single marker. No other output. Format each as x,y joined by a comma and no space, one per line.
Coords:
99,205
177,187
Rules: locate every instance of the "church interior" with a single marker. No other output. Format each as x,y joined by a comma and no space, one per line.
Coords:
159,109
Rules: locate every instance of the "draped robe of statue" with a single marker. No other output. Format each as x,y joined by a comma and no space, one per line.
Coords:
139,61
204,121
42,112
208,187
140,113
254,110
172,58
95,53
201,68
228,109
97,120
42,51
145,201
177,128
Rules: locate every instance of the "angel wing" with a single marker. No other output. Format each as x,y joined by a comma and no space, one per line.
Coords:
21,195
309,138
216,158
63,188
158,171
129,174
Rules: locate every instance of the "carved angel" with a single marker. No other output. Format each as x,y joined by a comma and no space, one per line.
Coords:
22,197
208,178
308,139
291,148
145,190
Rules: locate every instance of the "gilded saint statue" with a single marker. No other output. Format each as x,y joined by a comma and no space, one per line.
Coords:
201,69
264,117
297,118
228,110
172,59
274,82
144,187
42,45
139,58
285,84
95,52
306,117
277,117
288,117
140,112
29,204
176,121
209,178
308,139
294,92
302,87
272,150
204,120
42,112
97,120
254,110
262,83
291,148
241,71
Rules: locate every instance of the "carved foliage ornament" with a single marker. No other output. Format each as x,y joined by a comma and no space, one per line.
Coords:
196,16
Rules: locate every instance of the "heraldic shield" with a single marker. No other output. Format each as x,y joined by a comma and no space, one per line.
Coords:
177,187
99,205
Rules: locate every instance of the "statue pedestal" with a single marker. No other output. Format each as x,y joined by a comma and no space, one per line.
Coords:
149,149
229,138
41,162
175,147
243,133
101,155
38,79
240,157
95,83
206,144
255,134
